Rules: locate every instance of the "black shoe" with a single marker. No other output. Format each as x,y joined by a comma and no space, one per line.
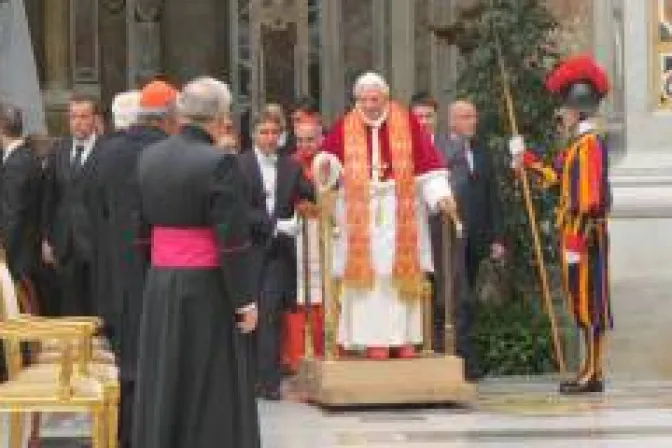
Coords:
576,388
568,384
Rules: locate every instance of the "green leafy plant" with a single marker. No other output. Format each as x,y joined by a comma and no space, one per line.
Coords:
512,337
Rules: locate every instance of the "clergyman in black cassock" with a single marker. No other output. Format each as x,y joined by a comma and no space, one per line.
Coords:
198,292
274,184
19,197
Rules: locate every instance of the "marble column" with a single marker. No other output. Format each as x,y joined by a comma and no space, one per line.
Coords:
331,68
402,42
641,243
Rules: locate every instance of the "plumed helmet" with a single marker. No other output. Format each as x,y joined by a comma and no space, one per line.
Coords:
580,83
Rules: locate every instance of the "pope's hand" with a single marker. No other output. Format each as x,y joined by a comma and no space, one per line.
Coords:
448,208
247,318
517,151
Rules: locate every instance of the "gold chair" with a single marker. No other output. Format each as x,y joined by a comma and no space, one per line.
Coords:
59,389
92,362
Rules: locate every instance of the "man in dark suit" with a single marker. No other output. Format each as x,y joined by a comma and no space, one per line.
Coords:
275,183
66,233
475,187
19,196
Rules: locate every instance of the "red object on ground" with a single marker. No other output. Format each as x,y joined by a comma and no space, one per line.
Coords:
293,331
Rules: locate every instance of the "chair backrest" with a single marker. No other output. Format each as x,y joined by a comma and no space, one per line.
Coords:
10,301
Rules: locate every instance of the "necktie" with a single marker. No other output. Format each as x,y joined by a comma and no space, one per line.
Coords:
77,159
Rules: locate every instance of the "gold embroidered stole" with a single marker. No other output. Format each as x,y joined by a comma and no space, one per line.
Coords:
359,272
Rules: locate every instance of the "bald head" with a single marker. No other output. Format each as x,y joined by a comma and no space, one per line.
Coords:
463,118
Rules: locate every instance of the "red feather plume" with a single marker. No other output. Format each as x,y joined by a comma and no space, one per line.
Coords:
575,69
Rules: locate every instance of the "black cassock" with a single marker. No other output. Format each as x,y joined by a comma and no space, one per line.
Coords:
20,208
119,263
192,390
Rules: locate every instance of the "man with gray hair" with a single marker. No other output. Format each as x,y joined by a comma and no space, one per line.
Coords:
390,175
199,288
125,108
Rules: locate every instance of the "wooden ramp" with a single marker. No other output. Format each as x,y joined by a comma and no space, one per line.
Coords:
430,379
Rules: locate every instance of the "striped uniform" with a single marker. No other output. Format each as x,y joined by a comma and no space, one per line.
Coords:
585,201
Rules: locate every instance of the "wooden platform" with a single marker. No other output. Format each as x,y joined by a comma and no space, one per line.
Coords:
360,382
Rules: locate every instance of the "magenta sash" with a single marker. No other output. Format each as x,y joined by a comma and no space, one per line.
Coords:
174,247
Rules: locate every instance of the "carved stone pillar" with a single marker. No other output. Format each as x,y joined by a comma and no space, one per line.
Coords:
381,44
279,39
332,79
444,59
144,39
112,27
57,76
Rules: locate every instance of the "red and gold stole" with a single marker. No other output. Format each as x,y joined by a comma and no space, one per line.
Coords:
359,272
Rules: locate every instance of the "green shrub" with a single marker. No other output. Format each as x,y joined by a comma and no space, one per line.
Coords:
513,335
512,338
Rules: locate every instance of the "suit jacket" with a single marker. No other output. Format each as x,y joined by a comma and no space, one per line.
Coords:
275,253
65,218
476,191
20,181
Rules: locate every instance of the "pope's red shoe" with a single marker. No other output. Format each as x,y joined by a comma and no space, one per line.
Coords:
405,352
378,353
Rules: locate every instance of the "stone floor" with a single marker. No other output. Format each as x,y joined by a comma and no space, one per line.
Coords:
508,413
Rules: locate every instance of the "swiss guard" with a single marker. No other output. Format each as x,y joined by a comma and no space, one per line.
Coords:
581,172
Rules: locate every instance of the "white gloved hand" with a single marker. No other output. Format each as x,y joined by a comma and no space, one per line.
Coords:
572,257
288,227
517,151
516,146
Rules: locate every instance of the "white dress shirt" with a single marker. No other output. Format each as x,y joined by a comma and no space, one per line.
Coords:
269,177
11,148
86,144
469,154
